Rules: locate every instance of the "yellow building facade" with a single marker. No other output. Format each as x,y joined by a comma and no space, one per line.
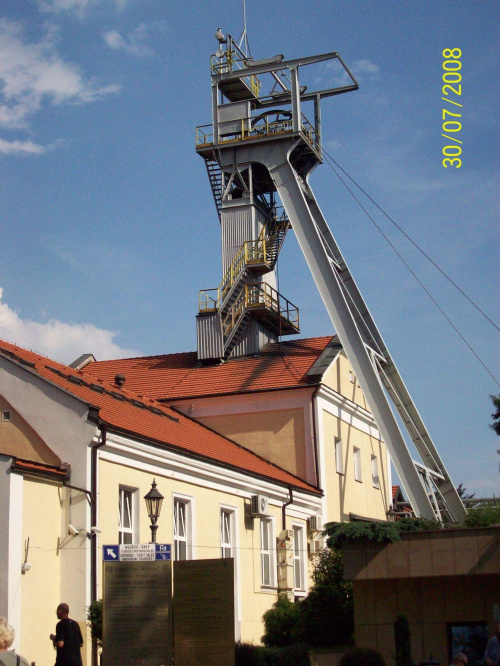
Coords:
80,450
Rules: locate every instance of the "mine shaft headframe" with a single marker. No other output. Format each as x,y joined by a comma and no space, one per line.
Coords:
236,77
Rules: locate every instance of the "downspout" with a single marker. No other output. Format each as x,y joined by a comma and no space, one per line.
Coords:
315,434
93,523
283,508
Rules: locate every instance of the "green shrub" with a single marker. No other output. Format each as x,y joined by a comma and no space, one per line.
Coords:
362,657
327,617
247,654
483,516
341,533
94,616
281,623
417,525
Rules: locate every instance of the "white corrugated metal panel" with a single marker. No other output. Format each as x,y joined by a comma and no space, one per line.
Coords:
238,225
209,336
253,339
270,279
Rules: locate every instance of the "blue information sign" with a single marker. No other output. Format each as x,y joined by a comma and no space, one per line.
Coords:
163,551
129,552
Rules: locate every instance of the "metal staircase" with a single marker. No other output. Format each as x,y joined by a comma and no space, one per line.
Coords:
215,178
240,293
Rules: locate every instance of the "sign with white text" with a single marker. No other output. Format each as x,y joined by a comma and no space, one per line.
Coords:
137,552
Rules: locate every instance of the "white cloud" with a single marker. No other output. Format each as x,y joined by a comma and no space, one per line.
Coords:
58,340
21,148
78,7
134,44
333,144
33,74
361,67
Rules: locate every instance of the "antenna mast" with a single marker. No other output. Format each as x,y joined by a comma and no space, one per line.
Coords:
243,40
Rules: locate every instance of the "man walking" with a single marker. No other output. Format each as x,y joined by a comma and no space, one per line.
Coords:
67,639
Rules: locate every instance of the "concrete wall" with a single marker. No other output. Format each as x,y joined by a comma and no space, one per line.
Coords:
428,603
431,577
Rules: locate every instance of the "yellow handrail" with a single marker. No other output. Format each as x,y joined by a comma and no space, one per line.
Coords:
266,128
255,295
207,302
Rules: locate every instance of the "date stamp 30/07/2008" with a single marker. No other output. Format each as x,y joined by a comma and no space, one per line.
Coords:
452,88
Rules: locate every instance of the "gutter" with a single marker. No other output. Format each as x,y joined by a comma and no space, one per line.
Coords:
93,522
283,508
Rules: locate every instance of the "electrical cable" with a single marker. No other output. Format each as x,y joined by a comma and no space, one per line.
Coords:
410,239
407,266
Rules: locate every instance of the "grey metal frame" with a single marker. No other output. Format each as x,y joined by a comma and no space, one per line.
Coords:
427,483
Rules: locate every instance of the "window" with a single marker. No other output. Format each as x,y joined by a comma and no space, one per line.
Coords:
6,415
267,553
375,477
339,460
126,515
298,558
352,378
182,519
226,533
357,464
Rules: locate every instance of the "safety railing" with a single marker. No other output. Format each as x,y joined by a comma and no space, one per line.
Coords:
250,253
257,296
263,128
231,61
264,294
204,135
208,300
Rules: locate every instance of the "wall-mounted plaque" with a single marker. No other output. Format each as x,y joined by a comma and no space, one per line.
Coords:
137,613
204,612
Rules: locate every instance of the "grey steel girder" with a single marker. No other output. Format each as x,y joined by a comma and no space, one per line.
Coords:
358,333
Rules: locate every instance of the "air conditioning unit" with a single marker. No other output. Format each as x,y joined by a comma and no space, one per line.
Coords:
259,505
285,535
314,523
314,547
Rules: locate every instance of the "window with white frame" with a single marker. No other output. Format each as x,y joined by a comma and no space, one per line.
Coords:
357,464
267,553
127,521
298,558
339,459
227,533
182,528
375,477
6,415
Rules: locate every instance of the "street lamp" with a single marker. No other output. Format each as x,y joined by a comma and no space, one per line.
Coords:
154,500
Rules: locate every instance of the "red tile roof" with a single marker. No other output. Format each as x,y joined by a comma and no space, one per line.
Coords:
36,467
125,411
171,377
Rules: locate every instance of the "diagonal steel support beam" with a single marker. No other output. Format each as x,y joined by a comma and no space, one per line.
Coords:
311,230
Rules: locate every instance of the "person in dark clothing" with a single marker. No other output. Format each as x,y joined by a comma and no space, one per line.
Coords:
67,639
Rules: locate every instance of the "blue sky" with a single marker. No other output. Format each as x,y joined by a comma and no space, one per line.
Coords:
108,225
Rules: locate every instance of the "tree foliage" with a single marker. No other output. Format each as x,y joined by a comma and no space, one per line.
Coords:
325,618
495,399
340,533
94,616
362,657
